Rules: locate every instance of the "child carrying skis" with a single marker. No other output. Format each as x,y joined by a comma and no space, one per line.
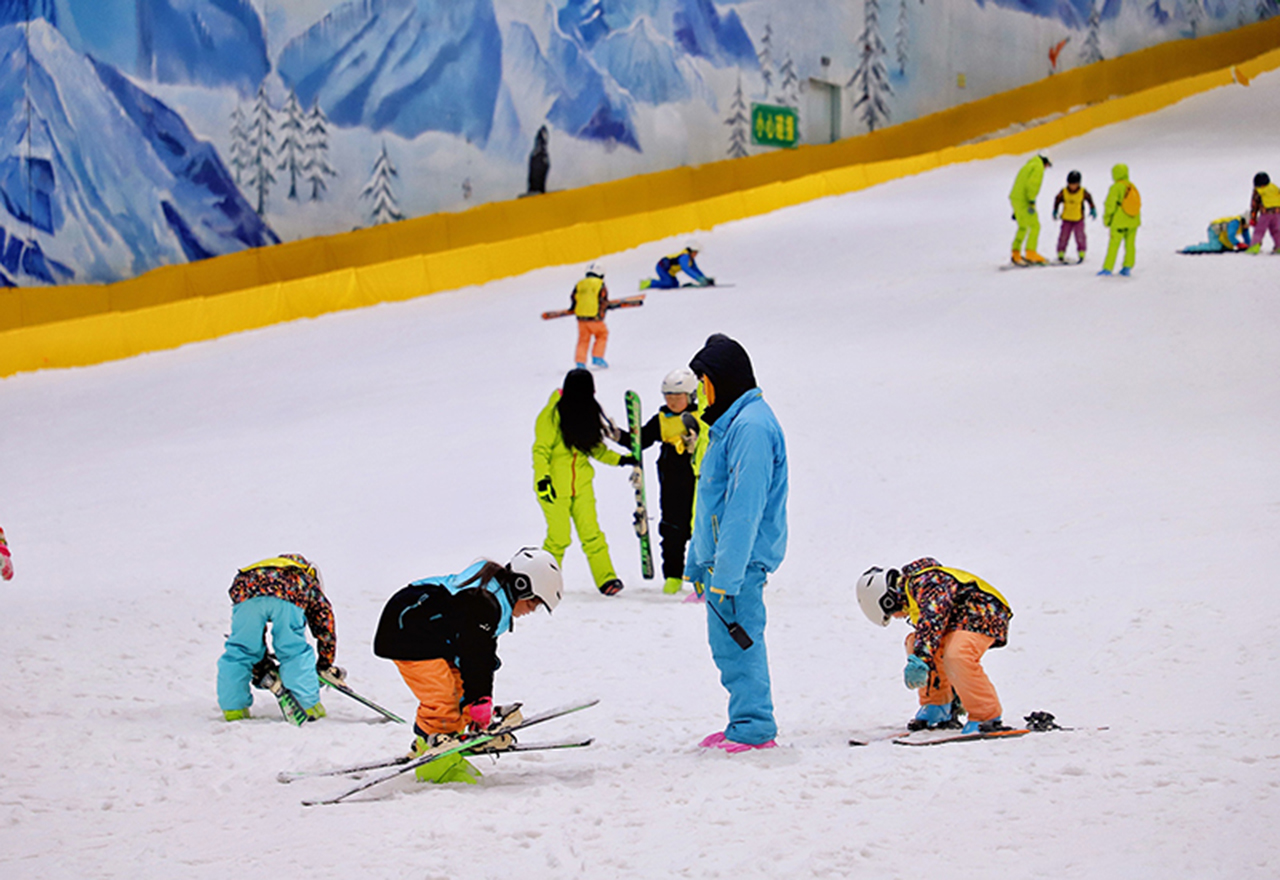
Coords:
683,438
590,301
1070,201
956,617
1122,214
670,266
1264,212
442,634
287,592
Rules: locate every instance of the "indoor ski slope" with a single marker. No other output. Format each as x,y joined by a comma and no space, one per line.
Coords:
1102,450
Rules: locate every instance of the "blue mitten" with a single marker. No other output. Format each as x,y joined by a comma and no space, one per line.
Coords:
916,675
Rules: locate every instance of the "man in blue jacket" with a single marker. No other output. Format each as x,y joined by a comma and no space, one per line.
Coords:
739,536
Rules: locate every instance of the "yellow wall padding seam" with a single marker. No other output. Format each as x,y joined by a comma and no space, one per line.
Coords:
117,334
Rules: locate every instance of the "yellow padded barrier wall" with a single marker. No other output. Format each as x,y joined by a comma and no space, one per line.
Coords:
76,326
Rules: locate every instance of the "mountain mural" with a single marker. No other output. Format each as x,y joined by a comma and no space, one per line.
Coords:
191,42
1072,13
138,191
406,66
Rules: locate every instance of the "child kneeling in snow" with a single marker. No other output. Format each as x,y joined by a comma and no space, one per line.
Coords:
957,617
442,633
1224,234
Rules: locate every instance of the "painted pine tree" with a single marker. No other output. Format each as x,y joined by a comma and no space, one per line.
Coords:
261,150
1192,14
870,81
901,37
788,84
380,191
1091,49
317,166
293,143
739,123
240,152
1267,8
765,57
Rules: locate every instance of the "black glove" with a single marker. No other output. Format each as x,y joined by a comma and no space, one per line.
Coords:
546,491
628,459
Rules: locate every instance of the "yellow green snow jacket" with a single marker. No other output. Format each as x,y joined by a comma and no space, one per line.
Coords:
1026,186
570,470
1113,212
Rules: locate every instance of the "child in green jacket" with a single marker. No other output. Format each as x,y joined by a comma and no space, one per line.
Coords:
1122,214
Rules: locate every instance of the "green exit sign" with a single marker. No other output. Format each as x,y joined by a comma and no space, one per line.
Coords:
774,126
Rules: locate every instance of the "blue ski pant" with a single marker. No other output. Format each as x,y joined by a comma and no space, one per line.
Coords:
246,646
744,674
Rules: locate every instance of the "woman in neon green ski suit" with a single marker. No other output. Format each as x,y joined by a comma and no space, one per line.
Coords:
568,434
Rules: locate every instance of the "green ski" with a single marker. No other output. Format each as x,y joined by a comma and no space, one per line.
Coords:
637,480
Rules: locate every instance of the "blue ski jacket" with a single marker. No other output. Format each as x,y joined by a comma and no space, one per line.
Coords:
741,516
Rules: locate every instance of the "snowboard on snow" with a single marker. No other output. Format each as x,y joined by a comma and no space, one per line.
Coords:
637,481
629,302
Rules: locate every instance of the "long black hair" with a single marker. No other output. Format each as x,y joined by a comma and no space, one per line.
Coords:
580,415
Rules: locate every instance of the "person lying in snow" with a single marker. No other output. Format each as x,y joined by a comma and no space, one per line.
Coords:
1224,235
442,634
956,617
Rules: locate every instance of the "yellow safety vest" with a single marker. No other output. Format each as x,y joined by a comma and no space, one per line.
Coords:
1072,204
672,429
964,577
1270,195
281,562
586,297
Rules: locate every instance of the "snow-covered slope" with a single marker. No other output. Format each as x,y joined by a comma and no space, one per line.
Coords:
1103,451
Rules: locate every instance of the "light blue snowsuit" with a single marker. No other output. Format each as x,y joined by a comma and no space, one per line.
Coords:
739,536
245,647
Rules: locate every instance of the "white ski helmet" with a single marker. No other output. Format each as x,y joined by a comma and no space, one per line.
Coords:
595,269
680,381
693,245
879,595
537,576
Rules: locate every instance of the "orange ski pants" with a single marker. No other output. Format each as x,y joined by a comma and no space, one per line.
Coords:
587,331
958,665
438,687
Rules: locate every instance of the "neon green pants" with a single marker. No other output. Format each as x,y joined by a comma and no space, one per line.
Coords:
1128,236
581,510
1028,227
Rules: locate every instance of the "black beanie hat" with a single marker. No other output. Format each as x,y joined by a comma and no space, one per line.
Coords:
728,366
1261,179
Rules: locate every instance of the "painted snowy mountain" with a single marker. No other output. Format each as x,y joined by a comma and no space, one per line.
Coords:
695,26
1072,13
199,42
16,11
406,66
648,67
106,178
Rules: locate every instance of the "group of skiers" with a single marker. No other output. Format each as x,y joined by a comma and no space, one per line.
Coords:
1122,215
441,632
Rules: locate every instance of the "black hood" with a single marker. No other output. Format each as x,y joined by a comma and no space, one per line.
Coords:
728,366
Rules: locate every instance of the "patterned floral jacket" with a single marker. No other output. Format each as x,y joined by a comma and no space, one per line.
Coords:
947,604
297,584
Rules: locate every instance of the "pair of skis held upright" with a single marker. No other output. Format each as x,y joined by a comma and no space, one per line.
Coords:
404,763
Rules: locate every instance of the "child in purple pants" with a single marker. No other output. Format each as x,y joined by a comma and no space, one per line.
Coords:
1071,201
1264,212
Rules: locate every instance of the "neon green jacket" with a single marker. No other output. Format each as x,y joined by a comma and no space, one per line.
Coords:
1113,215
570,470
1026,186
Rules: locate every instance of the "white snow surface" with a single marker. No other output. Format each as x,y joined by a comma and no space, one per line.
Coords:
1102,450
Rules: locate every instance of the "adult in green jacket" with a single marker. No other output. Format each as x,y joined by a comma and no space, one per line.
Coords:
568,434
1122,214
1026,187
